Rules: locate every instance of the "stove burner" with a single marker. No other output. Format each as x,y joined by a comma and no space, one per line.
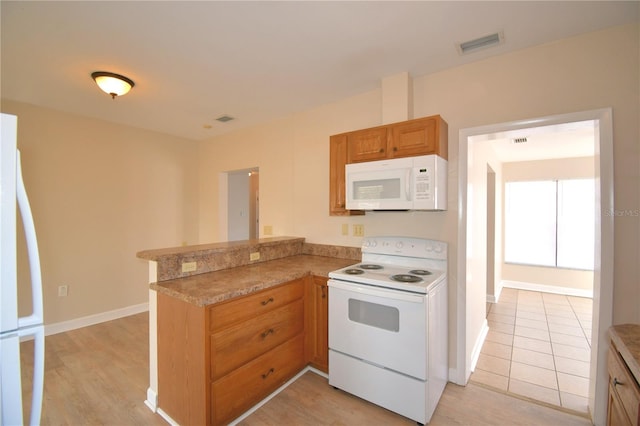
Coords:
353,271
369,266
420,272
406,278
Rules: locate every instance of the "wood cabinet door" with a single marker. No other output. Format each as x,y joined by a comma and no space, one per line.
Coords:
415,137
337,163
320,311
615,412
367,145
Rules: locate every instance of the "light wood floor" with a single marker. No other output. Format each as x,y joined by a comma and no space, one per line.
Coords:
98,375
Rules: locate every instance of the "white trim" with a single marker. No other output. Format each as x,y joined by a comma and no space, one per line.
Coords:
167,417
478,345
61,327
152,400
274,394
494,298
604,268
544,288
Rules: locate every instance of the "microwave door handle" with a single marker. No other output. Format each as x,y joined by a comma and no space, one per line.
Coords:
408,182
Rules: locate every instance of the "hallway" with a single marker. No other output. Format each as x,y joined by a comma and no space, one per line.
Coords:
538,346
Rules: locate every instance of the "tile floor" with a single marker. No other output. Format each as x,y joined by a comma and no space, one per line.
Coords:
538,346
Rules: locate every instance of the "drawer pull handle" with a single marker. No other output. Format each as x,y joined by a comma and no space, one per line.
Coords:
269,300
268,373
268,332
617,382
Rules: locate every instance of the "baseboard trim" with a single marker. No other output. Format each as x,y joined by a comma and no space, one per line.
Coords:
568,291
61,327
273,395
152,400
494,298
475,354
168,418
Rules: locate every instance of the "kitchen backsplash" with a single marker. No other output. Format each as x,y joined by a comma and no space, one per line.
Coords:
185,261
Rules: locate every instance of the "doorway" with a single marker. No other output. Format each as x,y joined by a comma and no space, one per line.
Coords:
471,308
243,206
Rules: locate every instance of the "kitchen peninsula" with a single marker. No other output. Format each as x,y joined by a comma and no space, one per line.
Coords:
231,322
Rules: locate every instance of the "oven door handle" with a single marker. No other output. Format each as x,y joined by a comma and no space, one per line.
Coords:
372,291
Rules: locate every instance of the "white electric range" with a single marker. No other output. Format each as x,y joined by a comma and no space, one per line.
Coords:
388,334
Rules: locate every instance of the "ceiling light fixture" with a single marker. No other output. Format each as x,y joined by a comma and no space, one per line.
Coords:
113,84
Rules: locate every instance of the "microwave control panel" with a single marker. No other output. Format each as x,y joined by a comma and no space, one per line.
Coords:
423,183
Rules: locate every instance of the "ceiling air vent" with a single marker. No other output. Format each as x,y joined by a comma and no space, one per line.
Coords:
481,43
520,140
224,118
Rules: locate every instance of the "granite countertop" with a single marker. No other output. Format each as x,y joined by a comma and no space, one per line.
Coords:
626,337
213,287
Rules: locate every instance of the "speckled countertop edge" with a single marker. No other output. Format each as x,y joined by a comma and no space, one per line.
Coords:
156,254
626,337
214,287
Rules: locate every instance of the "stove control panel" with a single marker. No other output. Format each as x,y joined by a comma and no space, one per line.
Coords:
405,246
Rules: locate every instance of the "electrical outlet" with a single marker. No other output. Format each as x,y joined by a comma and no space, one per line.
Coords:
358,230
345,229
63,290
189,266
254,256
268,230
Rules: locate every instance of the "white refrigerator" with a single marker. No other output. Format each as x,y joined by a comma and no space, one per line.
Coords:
13,328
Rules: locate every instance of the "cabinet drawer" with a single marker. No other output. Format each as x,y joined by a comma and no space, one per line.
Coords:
626,389
239,390
237,310
238,344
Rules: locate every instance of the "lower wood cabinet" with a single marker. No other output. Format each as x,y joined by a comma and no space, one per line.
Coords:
216,362
624,392
317,320
239,390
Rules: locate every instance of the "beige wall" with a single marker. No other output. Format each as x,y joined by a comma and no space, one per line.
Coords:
592,71
99,193
565,168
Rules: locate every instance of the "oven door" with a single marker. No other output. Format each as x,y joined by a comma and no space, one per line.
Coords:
384,327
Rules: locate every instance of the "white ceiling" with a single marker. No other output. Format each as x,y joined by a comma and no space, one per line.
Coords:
568,140
256,61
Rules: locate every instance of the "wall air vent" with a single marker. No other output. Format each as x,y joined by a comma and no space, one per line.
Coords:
519,140
481,43
224,118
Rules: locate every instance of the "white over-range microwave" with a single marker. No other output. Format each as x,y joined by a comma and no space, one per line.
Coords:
410,183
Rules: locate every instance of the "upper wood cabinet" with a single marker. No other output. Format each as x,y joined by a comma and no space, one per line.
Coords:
422,136
367,145
337,163
419,137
